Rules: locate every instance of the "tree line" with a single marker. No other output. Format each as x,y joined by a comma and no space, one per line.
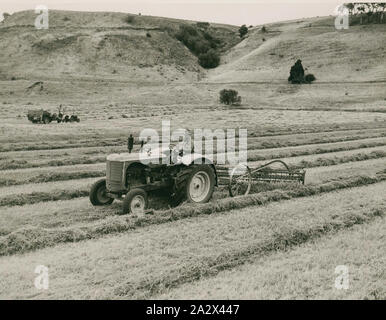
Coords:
366,12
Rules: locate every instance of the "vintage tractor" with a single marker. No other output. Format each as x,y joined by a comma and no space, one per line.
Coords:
187,177
46,117
40,116
131,177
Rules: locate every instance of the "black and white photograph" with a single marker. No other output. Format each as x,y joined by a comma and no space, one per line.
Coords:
192,154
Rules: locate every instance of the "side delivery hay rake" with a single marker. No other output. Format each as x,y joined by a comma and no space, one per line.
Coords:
241,178
187,177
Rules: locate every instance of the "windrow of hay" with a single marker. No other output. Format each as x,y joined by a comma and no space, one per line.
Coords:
297,153
262,144
23,164
51,177
307,142
210,267
323,162
22,199
35,197
36,238
98,158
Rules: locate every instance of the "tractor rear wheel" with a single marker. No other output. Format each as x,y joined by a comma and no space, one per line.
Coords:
200,184
194,184
98,196
135,202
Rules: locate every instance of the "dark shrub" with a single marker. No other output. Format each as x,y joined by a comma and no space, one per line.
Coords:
130,19
243,30
309,78
185,32
263,29
297,73
201,43
229,96
148,35
203,25
200,47
210,59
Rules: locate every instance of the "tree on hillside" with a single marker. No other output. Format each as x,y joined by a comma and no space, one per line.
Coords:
229,96
297,72
363,12
243,30
6,15
201,43
350,7
210,59
382,8
130,18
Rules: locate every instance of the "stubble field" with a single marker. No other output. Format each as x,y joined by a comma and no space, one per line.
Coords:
205,251
281,241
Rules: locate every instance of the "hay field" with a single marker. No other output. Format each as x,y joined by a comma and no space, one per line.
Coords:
281,241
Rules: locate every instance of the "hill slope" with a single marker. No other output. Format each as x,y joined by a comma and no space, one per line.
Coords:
356,54
102,45
143,49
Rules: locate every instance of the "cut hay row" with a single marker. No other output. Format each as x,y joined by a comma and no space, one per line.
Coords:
371,167
253,155
323,162
51,177
328,159
18,193
62,173
186,250
48,187
309,139
288,238
253,143
58,214
36,238
63,161
53,214
256,155
302,273
19,176
65,141
254,147
35,197
80,188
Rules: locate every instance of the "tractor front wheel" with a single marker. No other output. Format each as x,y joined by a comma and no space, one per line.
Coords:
98,195
135,202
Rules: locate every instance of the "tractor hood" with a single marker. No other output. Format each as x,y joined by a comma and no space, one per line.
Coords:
155,156
145,157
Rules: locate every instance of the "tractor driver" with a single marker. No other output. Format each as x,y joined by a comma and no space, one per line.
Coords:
185,144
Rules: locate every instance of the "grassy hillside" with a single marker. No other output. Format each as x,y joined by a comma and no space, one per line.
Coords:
356,54
103,45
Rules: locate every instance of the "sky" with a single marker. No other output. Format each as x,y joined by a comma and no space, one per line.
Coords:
249,12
